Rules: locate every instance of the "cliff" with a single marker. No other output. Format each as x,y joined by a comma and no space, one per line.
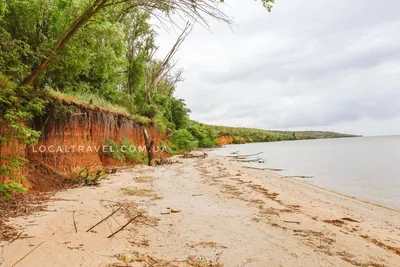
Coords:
225,140
72,138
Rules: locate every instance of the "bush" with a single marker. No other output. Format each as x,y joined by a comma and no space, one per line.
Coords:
183,141
205,136
134,155
17,106
7,189
125,151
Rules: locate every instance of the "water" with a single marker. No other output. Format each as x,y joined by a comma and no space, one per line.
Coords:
367,168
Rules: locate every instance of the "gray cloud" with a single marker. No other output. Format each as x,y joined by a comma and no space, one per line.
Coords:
310,64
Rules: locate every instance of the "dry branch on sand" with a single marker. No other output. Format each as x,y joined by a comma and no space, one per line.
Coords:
125,225
162,161
298,176
26,255
192,155
85,177
244,156
112,213
259,160
264,169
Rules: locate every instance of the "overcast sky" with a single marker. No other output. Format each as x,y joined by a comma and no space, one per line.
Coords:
310,64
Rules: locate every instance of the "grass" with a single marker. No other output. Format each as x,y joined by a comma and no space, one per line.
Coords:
95,100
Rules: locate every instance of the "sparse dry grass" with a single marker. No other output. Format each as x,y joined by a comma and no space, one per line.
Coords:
143,258
140,192
144,179
202,262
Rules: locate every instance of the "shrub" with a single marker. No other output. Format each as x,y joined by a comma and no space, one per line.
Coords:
134,154
125,151
183,141
7,189
205,136
17,106
114,151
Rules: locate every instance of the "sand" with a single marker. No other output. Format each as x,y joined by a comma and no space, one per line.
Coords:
205,212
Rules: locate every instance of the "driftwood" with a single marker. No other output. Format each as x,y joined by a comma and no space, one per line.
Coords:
298,176
190,155
244,156
93,181
292,222
103,219
264,169
84,175
162,161
111,171
249,160
125,225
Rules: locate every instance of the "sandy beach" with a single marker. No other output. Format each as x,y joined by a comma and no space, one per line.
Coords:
204,212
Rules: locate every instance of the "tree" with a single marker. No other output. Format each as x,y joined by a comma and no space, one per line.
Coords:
197,10
184,6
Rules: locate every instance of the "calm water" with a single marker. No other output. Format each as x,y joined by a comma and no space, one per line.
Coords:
367,168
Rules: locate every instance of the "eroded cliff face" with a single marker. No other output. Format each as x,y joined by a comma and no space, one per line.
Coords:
73,136
225,140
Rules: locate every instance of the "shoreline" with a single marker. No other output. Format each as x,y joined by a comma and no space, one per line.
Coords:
205,212
349,197
294,179
372,199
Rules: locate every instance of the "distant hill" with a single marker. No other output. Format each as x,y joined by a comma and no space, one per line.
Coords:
250,135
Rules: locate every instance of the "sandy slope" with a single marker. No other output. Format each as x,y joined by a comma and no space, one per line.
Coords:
224,214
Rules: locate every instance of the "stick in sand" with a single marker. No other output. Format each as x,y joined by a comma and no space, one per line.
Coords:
27,254
122,228
103,219
73,218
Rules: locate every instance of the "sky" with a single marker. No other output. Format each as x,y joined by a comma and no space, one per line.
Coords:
308,65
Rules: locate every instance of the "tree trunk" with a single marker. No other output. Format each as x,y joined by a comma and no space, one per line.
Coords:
149,147
68,34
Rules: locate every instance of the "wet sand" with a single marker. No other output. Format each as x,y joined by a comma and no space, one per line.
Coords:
205,212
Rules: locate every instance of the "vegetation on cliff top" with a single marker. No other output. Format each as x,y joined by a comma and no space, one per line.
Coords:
249,135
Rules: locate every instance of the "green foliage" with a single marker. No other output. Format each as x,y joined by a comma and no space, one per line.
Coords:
206,136
179,113
16,108
183,141
113,150
248,135
7,189
18,105
125,152
132,153
12,164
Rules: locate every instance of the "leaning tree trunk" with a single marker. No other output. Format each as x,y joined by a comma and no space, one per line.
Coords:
68,34
149,147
